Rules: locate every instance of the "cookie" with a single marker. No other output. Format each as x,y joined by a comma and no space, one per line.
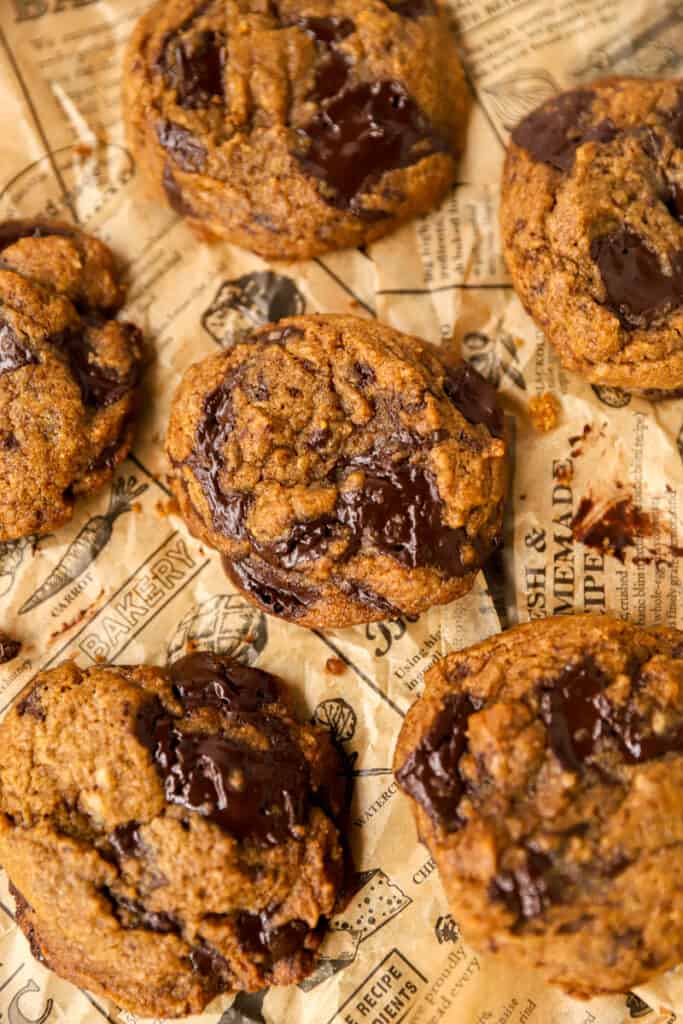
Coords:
170,833
592,225
295,129
344,472
68,373
545,767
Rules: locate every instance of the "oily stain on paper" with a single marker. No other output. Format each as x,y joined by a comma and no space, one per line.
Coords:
614,528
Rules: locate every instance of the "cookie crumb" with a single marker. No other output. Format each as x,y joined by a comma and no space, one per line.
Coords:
167,508
544,412
335,666
9,648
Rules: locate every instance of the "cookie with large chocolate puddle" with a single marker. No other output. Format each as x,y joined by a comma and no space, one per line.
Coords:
344,472
545,769
295,131
169,833
592,223
68,373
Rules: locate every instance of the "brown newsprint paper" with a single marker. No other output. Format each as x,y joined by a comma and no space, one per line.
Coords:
126,582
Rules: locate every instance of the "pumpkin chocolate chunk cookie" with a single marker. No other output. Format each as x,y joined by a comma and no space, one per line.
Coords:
345,473
292,129
592,223
545,766
169,833
68,373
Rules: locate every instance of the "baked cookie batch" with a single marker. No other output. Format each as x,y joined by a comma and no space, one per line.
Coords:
175,833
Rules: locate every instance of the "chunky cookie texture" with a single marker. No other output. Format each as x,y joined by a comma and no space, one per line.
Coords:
345,473
545,767
294,129
169,833
592,222
68,373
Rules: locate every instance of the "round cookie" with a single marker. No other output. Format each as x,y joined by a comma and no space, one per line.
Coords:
295,129
592,224
68,373
169,833
345,473
545,766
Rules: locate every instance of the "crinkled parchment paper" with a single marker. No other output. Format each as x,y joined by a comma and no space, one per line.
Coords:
126,582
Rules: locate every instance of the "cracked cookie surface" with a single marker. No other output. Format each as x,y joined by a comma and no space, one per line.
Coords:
169,833
545,767
68,373
592,224
345,473
292,129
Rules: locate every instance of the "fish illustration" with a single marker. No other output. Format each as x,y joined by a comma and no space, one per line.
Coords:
516,95
482,352
251,301
88,544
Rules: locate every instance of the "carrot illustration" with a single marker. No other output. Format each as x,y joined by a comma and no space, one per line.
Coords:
88,544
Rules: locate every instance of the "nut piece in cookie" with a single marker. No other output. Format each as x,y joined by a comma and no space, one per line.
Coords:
170,834
345,473
293,131
545,767
592,226
68,373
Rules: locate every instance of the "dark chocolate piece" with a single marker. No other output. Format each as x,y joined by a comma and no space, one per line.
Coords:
638,289
31,703
254,794
13,352
527,890
553,133
430,774
211,965
257,936
204,679
131,914
474,397
273,589
184,147
9,649
125,840
195,68
363,132
333,69
100,385
412,8
580,718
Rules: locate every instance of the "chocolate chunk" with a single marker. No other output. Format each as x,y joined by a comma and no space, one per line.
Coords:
31,703
333,69
363,132
474,397
257,936
132,914
580,719
674,201
327,30
552,133
100,385
526,891
430,774
570,714
125,840
209,963
674,117
638,289
13,353
194,68
412,8
254,794
184,147
398,511
174,194
615,531
204,679
9,649
272,588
